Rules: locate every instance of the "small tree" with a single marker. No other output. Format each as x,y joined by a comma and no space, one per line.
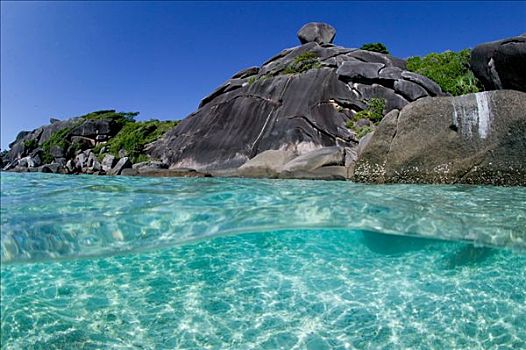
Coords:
376,47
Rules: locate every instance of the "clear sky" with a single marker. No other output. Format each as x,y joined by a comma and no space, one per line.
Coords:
64,59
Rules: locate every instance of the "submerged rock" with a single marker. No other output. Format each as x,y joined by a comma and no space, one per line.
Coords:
266,164
475,139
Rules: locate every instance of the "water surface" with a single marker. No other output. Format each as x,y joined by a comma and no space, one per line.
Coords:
99,262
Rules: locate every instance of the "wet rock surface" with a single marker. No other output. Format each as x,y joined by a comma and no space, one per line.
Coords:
474,139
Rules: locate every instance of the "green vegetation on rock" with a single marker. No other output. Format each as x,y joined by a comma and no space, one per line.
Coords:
58,138
30,145
302,63
134,136
448,69
120,118
374,113
376,47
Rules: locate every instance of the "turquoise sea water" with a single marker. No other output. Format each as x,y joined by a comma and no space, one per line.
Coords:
142,263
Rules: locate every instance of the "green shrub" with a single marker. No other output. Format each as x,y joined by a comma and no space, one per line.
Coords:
362,131
302,63
376,47
374,112
30,145
450,70
132,136
120,118
58,138
135,135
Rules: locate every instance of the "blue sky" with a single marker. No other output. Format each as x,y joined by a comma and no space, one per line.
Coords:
64,59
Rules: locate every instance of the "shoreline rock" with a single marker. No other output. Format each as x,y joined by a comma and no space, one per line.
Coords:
315,111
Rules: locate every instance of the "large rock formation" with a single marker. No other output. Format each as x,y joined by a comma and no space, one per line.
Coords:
298,101
501,64
476,139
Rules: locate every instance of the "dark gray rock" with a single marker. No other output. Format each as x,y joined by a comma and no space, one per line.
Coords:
176,172
53,120
101,138
10,165
324,173
108,162
320,33
55,168
289,111
122,153
392,99
123,163
363,122
411,91
21,135
48,130
390,73
38,136
92,159
57,151
230,85
24,162
277,109
359,71
266,164
247,72
431,87
474,139
316,159
70,166
501,64
93,127
151,164
129,172
376,57
29,162
80,161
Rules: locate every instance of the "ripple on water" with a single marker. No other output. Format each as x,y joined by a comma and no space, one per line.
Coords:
100,216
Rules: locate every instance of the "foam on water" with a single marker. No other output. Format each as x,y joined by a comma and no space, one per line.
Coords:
45,216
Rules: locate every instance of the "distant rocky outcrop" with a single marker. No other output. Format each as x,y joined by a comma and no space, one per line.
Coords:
302,99
475,139
501,64
102,142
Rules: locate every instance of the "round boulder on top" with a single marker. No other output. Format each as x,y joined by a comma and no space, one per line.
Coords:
320,33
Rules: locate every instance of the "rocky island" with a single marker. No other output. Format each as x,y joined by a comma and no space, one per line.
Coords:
317,111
